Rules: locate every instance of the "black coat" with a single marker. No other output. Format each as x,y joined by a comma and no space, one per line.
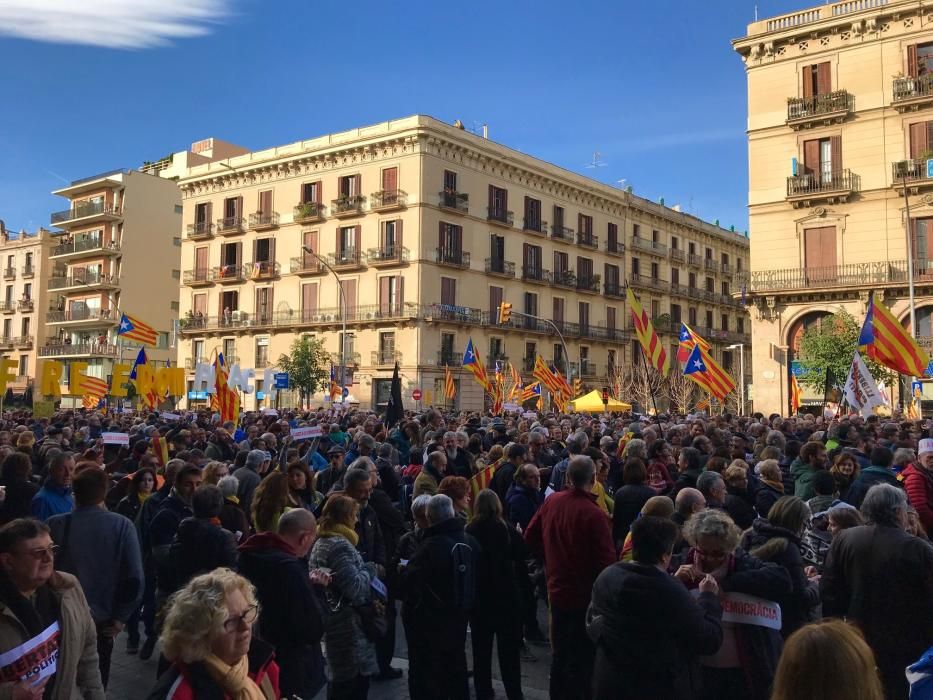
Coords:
649,633
740,506
200,546
628,502
18,501
503,479
521,503
881,578
775,544
371,545
766,497
499,565
292,617
868,478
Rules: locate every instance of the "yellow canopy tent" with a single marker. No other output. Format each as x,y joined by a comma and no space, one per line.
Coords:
593,403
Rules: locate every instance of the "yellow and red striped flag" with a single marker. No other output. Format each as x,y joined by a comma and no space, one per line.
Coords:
228,400
544,375
90,401
689,338
794,395
473,363
650,342
484,477
132,328
450,388
159,446
94,386
703,404
530,392
888,343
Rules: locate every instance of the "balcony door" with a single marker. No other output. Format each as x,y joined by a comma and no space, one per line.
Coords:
264,304
820,254
822,160
200,262
922,237
497,253
308,301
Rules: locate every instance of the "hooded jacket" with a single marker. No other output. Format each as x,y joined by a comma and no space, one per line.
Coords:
292,617
918,483
201,546
867,478
803,475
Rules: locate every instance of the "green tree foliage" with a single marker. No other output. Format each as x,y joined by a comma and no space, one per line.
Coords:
307,366
832,344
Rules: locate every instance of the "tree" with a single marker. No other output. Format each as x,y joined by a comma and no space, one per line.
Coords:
306,366
681,391
831,345
646,386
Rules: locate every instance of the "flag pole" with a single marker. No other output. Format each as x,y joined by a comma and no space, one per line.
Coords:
910,271
654,403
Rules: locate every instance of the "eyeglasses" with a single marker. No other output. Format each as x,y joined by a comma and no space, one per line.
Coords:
44,553
247,618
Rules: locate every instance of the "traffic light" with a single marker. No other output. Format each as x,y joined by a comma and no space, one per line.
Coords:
505,312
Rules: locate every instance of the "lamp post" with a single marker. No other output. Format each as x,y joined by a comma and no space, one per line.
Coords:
343,319
741,348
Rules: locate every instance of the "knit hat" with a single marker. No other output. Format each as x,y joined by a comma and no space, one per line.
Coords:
926,445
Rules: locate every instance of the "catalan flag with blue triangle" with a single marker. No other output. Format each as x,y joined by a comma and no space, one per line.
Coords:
141,359
703,369
472,362
888,343
132,328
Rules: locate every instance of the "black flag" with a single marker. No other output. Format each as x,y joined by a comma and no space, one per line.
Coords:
394,410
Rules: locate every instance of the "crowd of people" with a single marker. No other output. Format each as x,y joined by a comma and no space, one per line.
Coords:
695,556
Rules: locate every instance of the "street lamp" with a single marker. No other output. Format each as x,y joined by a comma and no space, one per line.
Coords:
343,319
741,348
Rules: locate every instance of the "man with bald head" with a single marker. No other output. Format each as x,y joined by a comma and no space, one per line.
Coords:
291,612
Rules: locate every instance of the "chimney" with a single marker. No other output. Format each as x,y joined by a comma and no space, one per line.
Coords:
485,131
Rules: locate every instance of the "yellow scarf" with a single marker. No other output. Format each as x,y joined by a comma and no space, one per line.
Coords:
338,530
234,680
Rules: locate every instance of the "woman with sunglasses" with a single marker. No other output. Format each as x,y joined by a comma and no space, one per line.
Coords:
208,637
745,664
38,602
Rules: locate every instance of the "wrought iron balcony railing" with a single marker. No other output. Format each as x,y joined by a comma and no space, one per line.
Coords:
647,246
454,258
498,266
347,206
588,284
306,265
230,224
450,199
615,248
203,275
308,211
909,88
388,199
564,278
588,240
263,219
562,233
534,225
387,255
536,274
802,109
200,230
80,211
868,274
822,183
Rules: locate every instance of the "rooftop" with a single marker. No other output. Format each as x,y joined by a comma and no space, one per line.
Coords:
813,16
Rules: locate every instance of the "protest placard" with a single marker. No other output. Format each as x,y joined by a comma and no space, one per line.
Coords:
169,416
34,660
116,439
312,431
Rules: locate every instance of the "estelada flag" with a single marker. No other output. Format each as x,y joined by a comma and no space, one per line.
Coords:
132,328
704,370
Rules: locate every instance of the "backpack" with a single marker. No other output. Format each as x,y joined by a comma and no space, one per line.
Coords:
463,561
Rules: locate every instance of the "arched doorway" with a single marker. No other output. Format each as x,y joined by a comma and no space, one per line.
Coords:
813,320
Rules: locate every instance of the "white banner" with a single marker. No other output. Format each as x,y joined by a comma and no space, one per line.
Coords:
169,416
34,660
116,439
742,609
861,391
307,432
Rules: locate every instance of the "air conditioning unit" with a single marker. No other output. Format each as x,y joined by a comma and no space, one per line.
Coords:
328,317
370,315
237,315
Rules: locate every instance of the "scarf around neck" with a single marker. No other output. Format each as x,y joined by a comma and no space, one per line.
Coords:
234,680
338,530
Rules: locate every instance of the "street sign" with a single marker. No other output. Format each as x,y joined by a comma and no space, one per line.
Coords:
916,388
281,380
416,394
345,392
930,168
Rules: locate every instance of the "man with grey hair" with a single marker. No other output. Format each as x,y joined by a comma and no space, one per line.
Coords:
881,578
458,463
438,589
364,447
713,488
571,535
576,445
249,476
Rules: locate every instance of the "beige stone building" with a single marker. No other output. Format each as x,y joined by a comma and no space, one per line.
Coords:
117,249
428,228
840,125
25,264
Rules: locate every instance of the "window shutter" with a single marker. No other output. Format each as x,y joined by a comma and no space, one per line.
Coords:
919,135
400,292
308,300
440,235
239,207
824,78
811,157
357,184
458,239
611,318
526,254
239,254
337,245
384,295
398,236
272,250
835,148
495,298
492,196
390,179
358,238
808,81
255,246
613,234
913,66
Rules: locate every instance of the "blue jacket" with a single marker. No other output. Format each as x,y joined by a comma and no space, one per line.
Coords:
52,500
868,478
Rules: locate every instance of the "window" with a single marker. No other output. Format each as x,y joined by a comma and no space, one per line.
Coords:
391,238
709,319
585,270
264,304
675,243
636,267
176,274
202,215
7,328
921,239
692,280
611,360
561,263
817,79
346,240
725,322
23,365
558,218
498,202
309,299
724,258
448,291
28,260
495,298
531,352
197,350
822,158
497,253
311,193
530,306
447,348
612,235
559,356
264,250
532,214
390,294
675,275
9,293
27,291
585,226
724,287
451,239
348,186
920,59
655,308
820,253
390,184
229,302
25,327
675,313
655,270
612,278
738,264
692,316
611,318
387,346
532,261
450,181
262,352
740,324
496,352
233,208
584,360
636,230
584,316
655,236
174,306
558,310
692,248
710,282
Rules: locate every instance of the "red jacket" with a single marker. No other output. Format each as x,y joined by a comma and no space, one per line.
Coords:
571,534
919,486
193,682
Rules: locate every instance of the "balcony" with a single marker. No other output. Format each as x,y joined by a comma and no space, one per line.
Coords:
493,360
200,231
86,213
346,259
912,93
387,200
8,306
917,174
351,359
694,260
59,349
308,212
588,240
263,220
614,289
500,267
198,277
853,275
498,215
191,363
230,226
677,254
387,256
711,265
78,246
81,280
306,265
6,342
457,201
562,233
646,246
453,258
564,278
385,358
646,282
588,369
449,358
25,305
615,248
231,273
29,271
350,205
725,268
9,273
536,275
589,285
818,110
263,269
804,190
80,314
534,226
680,290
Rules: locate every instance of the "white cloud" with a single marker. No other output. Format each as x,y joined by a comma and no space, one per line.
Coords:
115,24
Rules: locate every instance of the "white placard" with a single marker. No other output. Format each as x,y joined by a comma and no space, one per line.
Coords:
169,416
127,410
116,439
312,431
269,412
33,660
529,414
511,407
742,609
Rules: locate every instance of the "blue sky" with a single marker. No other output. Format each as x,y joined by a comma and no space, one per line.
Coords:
654,86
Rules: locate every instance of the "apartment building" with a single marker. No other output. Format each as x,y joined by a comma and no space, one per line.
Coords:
840,110
426,228
116,250
25,263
